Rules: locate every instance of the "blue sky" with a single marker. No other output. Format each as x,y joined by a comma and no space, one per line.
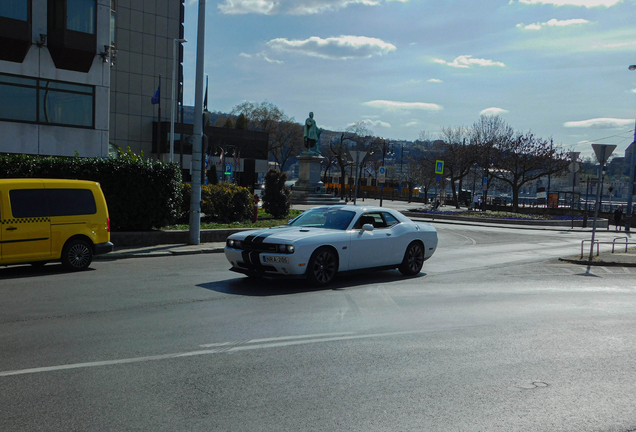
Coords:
556,67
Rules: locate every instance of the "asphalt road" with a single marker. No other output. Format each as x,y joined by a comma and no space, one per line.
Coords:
495,335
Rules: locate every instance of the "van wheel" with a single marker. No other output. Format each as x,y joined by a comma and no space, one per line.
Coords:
77,255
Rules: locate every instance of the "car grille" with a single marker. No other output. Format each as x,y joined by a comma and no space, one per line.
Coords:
259,247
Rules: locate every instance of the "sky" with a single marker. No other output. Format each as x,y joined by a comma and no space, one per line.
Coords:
558,68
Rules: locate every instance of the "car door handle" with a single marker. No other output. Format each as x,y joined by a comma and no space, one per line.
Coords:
388,234
11,229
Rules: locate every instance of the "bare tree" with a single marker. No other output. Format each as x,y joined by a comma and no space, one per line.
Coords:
285,136
458,156
486,133
525,158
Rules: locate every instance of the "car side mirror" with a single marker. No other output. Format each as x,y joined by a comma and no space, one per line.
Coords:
367,227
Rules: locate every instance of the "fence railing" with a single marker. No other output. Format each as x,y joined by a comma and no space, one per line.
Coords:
613,243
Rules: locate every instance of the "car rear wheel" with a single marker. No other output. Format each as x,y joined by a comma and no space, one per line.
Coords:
77,255
323,266
413,259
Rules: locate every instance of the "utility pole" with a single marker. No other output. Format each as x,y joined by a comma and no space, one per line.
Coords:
630,192
197,143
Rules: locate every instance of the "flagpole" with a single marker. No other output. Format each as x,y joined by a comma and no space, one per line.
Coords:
159,122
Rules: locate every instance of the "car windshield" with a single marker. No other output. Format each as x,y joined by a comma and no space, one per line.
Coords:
324,218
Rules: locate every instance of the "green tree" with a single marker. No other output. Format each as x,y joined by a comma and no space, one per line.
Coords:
241,122
276,196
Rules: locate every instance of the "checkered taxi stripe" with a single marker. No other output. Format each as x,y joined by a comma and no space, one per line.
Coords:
24,220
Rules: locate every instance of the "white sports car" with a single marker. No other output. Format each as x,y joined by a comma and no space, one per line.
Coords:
326,240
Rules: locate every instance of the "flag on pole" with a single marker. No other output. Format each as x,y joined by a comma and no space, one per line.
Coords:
155,98
205,99
221,158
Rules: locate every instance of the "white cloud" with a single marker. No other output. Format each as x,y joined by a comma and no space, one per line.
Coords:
395,105
411,124
493,111
600,123
585,3
341,48
376,123
291,7
634,90
466,61
263,56
553,23
435,80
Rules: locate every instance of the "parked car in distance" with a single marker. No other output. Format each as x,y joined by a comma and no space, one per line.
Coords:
45,220
327,240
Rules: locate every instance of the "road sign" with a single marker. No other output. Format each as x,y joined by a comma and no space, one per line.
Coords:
603,152
382,175
228,169
438,178
574,167
439,167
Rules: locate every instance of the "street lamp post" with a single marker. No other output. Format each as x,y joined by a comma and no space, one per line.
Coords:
603,152
630,191
357,155
384,153
172,99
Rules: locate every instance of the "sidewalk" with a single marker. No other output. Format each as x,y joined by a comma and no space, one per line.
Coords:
606,258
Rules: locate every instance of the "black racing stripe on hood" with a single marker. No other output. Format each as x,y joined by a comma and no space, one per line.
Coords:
261,237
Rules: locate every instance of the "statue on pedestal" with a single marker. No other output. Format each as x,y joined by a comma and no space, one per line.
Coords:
311,134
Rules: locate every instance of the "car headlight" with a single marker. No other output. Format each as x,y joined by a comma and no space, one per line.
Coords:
233,243
289,249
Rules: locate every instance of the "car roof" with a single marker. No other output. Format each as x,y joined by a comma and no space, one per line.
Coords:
355,208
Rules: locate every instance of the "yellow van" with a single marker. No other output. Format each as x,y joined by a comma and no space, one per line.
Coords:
52,220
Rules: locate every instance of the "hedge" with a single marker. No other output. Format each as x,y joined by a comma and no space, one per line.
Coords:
223,203
141,194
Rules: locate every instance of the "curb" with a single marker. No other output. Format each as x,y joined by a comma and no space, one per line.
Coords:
597,263
125,255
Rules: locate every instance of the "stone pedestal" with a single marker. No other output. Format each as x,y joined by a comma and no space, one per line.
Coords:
309,189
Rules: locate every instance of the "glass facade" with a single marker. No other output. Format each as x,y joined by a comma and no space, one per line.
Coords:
15,9
81,15
46,102
113,21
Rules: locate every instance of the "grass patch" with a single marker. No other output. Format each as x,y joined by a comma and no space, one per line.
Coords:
265,220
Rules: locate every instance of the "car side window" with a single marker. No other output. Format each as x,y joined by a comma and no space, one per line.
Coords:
390,219
374,219
28,203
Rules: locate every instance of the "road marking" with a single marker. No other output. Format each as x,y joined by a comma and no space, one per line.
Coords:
223,348
277,339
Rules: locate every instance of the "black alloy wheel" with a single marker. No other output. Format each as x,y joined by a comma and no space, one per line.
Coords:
323,267
77,255
413,259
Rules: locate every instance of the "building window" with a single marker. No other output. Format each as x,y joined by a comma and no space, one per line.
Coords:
46,102
80,16
113,21
15,9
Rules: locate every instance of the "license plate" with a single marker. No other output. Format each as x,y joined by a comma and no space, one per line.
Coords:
276,259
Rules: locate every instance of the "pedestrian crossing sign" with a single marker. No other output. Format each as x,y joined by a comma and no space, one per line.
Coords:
439,167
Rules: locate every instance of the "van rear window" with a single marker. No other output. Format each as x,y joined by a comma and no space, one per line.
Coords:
51,202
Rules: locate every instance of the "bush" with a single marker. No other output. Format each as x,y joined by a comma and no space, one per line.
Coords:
222,203
140,193
276,194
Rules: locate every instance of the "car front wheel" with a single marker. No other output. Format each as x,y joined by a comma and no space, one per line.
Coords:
322,267
413,259
77,255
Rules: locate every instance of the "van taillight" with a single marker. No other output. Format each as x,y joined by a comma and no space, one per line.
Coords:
108,224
